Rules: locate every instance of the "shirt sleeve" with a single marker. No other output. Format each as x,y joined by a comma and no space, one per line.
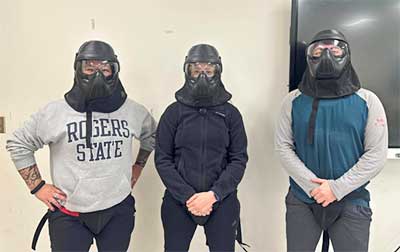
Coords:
26,140
230,178
285,148
375,151
148,133
165,157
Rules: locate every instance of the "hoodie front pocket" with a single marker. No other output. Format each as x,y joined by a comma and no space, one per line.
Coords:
92,192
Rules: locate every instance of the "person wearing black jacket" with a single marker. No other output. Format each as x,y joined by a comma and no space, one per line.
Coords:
201,156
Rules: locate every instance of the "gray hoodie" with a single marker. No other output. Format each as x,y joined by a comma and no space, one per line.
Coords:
93,179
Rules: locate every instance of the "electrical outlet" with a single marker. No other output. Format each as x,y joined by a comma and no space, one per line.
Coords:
2,124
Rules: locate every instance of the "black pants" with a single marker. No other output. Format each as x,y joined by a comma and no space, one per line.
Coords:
220,229
111,228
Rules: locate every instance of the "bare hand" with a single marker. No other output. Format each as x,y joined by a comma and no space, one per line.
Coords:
51,195
200,204
323,194
202,214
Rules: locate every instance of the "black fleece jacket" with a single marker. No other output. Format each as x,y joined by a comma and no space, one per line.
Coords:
201,149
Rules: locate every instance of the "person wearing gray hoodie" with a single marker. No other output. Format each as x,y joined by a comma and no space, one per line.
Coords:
90,135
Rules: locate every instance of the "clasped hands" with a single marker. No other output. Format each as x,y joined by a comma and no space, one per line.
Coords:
323,193
200,204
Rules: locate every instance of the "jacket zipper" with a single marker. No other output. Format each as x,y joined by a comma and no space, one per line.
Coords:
203,113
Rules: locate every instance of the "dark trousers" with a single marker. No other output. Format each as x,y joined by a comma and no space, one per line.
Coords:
111,228
350,232
220,229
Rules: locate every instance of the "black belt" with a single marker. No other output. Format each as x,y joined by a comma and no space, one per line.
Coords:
239,238
325,241
39,229
43,221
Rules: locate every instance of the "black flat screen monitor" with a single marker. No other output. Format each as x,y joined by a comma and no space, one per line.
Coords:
372,28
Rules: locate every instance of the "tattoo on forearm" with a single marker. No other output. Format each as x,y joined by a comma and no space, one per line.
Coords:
31,175
142,157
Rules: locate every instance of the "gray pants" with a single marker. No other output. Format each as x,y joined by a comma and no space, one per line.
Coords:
350,232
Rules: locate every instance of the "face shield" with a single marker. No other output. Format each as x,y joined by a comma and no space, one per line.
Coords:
193,70
91,67
337,49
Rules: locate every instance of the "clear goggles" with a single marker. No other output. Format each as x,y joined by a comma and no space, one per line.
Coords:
195,69
337,48
107,68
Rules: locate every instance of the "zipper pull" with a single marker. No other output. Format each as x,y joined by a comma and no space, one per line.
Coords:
220,114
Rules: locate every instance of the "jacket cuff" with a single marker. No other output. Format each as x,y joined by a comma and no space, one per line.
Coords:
186,197
216,195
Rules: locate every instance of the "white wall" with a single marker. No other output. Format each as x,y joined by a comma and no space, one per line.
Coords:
37,47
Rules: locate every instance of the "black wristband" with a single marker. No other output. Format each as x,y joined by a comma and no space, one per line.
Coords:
38,187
